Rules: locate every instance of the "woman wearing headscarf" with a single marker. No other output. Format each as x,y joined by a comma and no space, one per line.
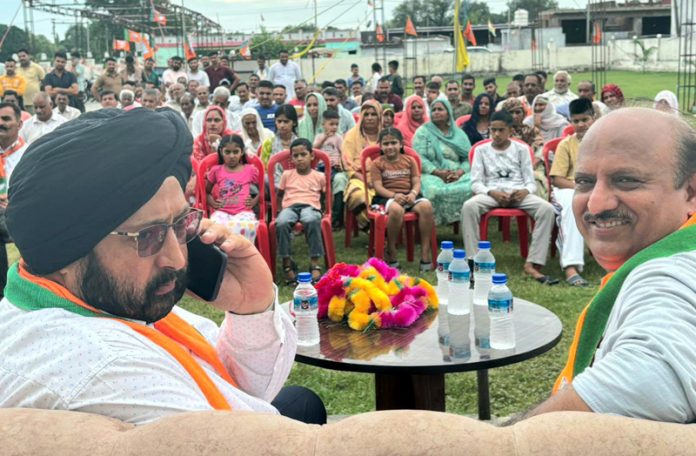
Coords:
612,96
364,134
253,131
214,128
444,151
415,115
546,119
531,136
667,101
313,120
476,128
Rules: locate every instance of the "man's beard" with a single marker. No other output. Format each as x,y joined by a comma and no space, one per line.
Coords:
100,290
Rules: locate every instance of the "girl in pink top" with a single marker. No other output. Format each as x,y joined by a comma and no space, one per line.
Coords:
230,191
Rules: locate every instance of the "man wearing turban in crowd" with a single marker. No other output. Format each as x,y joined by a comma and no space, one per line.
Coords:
98,213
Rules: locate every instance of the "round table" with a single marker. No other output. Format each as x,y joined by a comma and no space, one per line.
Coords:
410,363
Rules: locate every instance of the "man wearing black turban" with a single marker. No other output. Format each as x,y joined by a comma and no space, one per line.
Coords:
98,213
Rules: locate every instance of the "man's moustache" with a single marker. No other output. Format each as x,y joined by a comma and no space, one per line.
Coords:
605,216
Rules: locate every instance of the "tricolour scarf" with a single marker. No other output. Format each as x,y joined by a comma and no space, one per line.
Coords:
593,319
29,292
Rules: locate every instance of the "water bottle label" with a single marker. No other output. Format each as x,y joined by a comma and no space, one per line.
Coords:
484,267
442,267
305,303
500,305
459,277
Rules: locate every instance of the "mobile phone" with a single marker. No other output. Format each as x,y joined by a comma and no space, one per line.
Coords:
206,268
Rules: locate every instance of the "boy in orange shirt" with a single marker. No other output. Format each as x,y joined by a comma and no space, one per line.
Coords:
300,192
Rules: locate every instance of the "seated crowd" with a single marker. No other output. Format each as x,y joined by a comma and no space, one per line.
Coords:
445,153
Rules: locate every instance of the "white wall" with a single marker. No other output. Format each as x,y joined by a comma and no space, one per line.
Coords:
620,53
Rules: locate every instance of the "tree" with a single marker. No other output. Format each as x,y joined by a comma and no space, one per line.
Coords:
423,13
266,44
441,13
18,38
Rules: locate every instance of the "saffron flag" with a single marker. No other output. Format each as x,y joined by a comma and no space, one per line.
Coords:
460,44
469,34
245,51
189,51
597,35
121,45
380,33
158,17
148,53
410,29
491,28
135,37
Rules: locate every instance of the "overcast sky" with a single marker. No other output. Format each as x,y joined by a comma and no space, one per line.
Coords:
245,15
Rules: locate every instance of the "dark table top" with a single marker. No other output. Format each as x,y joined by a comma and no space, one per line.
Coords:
436,343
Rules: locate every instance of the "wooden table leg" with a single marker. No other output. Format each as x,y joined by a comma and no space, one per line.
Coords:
410,391
484,400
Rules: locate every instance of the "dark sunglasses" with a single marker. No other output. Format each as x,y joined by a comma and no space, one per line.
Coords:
150,240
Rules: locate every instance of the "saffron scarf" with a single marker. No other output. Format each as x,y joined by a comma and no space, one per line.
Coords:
29,292
593,319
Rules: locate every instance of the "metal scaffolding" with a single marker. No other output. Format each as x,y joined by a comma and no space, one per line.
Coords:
685,18
181,21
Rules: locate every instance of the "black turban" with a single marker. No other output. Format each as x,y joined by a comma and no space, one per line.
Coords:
75,185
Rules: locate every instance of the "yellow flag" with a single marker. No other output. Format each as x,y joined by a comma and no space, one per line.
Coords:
460,45
309,46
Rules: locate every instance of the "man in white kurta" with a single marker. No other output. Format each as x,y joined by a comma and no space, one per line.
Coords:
285,72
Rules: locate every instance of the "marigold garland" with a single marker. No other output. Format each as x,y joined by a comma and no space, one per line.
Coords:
373,294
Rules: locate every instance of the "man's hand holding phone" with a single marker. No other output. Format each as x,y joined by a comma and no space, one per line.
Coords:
247,284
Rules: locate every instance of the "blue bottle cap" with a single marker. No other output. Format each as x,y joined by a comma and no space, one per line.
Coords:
499,278
459,253
447,245
304,277
484,244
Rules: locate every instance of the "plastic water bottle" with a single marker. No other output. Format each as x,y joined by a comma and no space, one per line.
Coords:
460,346
500,311
484,268
459,298
305,303
443,261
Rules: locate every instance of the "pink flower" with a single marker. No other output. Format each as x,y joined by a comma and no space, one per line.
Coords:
384,270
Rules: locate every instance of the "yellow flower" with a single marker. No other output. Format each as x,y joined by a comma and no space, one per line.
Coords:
433,301
337,307
358,320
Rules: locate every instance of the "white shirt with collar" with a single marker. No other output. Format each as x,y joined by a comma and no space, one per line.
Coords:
56,359
34,128
70,113
285,75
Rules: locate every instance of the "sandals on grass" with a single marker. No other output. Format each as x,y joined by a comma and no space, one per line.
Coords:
290,274
576,280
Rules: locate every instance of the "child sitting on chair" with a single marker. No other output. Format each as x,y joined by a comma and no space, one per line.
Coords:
397,183
301,191
230,188
502,176
330,141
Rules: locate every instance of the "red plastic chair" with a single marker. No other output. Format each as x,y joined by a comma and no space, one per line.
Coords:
569,130
262,239
283,159
549,148
378,220
462,120
350,222
506,213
